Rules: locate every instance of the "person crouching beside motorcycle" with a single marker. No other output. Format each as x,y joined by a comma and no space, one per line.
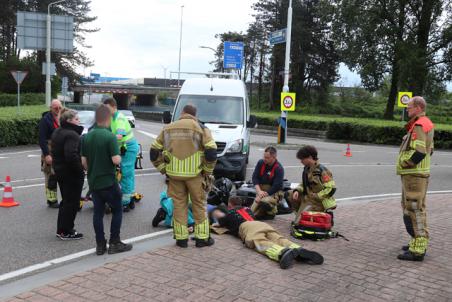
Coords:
268,179
315,193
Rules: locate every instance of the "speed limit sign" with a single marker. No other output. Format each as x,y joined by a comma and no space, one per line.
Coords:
287,101
404,98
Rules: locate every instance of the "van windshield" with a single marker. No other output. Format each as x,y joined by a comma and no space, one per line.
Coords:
213,109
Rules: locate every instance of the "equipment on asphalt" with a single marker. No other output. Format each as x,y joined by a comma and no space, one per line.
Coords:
348,152
247,192
221,191
8,199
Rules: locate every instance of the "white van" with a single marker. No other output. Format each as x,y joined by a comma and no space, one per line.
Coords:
222,106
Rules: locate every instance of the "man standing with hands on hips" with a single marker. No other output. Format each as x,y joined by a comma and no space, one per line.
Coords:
186,152
413,165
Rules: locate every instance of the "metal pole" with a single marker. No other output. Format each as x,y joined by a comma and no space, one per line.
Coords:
48,83
18,96
48,52
180,44
284,114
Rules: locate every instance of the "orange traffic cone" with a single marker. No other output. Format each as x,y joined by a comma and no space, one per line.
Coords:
8,199
348,153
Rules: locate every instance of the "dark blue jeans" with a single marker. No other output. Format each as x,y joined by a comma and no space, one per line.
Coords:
111,196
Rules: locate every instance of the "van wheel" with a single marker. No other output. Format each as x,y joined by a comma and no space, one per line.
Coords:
242,175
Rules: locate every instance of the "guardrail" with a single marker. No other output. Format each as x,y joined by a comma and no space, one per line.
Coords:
262,129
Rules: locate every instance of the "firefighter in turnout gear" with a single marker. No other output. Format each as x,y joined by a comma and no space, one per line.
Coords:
268,179
413,165
260,236
128,148
316,191
186,152
47,125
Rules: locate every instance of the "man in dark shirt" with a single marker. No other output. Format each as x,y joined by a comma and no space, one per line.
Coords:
268,179
100,156
260,236
47,125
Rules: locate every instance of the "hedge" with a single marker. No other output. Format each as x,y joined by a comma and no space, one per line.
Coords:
357,130
7,99
20,128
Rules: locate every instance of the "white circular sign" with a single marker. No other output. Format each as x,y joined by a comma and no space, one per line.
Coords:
288,102
405,99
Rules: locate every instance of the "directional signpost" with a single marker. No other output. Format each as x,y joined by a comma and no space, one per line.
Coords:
18,76
277,37
233,55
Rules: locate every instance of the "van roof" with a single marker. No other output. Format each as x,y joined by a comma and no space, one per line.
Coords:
225,87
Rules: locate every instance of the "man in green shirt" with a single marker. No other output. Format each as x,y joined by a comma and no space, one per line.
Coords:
100,155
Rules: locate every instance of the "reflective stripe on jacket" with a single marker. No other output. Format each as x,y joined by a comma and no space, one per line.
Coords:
185,149
120,125
418,139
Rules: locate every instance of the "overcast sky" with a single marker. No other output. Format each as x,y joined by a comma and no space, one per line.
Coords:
138,38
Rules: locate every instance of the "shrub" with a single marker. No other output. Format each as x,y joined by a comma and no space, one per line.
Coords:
7,99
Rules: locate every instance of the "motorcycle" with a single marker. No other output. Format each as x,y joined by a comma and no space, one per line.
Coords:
223,188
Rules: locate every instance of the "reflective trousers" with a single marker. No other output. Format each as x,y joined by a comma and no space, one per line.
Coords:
51,186
179,190
264,239
414,190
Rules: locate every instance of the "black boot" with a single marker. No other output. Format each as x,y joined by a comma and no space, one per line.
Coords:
116,246
125,209
159,217
183,243
286,258
405,248
304,255
132,204
409,256
53,204
101,247
204,242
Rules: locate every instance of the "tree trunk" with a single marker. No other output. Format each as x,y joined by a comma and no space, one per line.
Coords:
261,75
389,113
423,33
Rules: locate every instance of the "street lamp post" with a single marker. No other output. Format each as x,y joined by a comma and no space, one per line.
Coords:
180,44
48,52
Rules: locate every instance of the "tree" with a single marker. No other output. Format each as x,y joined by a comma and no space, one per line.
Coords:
66,64
400,38
314,59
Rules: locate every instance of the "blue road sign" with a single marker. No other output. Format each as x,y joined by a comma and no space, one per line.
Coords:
233,55
278,37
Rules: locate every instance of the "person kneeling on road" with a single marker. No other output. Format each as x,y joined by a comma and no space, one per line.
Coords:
316,191
260,236
100,156
268,179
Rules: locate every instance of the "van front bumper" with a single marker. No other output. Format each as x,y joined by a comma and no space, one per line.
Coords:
229,164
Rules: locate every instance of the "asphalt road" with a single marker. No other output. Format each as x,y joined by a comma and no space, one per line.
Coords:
27,232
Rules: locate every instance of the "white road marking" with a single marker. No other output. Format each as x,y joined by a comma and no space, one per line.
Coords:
1,157
24,187
34,155
380,196
49,263
147,134
20,152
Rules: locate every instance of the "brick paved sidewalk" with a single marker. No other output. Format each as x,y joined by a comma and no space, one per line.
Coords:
362,269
